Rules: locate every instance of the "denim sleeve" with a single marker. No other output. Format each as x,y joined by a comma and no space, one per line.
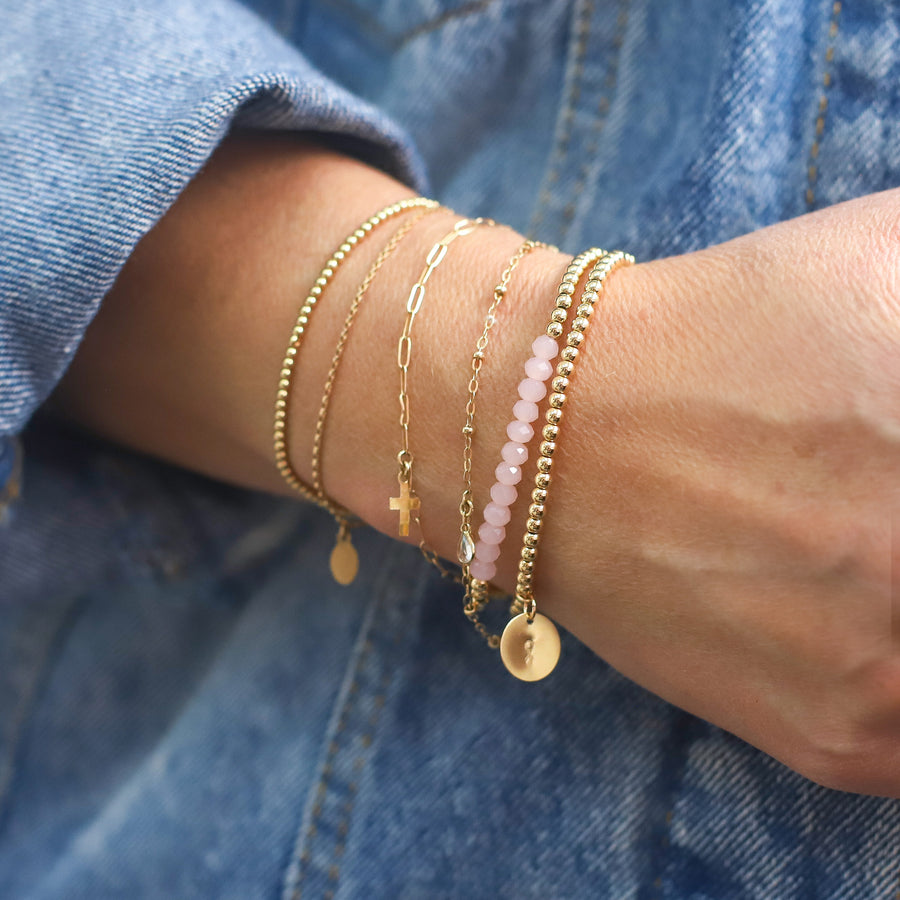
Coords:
107,109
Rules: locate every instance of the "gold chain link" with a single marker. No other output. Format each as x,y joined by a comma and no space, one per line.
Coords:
408,503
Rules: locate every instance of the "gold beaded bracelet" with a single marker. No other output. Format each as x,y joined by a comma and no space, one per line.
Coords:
344,558
282,456
530,642
465,552
496,514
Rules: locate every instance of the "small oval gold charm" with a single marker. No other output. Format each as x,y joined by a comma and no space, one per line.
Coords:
344,561
530,650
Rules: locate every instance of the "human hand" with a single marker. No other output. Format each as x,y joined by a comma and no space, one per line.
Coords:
724,526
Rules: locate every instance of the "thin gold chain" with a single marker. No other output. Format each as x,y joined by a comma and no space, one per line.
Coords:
382,258
466,547
477,592
408,502
466,505
285,379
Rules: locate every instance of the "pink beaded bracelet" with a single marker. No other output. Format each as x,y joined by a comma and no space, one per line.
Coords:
532,389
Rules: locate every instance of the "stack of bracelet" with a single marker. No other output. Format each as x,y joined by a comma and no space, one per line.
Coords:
530,643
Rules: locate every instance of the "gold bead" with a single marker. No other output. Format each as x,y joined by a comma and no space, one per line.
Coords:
569,354
590,297
569,280
585,310
559,315
563,301
533,526
526,568
542,480
346,248
554,416
559,384
555,330
580,323
564,368
545,464
338,255
536,511
281,393
557,400
593,286
528,554
574,339
547,448
280,403
530,540
539,495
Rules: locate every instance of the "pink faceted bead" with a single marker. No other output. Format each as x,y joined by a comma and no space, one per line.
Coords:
491,534
508,474
497,515
539,369
514,453
483,571
525,410
503,494
532,389
520,432
545,347
487,552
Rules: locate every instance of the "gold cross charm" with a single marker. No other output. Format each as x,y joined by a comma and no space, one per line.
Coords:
404,503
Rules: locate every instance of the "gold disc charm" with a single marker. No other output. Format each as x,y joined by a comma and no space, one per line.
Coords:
530,650
344,560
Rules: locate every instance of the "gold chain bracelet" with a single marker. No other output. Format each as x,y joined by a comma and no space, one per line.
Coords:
408,502
530,643
282,455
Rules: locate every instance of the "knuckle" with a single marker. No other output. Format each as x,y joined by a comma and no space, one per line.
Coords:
854,745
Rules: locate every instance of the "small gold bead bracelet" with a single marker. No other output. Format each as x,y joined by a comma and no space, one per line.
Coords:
343,557
530,642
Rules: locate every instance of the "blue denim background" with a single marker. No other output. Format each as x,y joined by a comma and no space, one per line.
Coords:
188,707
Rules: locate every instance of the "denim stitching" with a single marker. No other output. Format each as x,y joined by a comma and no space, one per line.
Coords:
566,118
812,169
352,703
603,107
65,619
467,9
375,31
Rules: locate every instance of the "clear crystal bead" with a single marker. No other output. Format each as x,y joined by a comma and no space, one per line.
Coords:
465,552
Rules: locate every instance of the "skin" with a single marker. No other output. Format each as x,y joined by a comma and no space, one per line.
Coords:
724,520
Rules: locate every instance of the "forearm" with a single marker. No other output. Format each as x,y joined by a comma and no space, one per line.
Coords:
182,362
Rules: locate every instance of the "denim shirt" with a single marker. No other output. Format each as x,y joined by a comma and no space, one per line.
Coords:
189,708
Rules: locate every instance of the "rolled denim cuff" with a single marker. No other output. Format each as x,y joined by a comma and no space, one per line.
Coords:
107,110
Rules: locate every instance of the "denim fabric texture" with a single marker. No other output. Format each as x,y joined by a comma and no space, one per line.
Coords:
189,708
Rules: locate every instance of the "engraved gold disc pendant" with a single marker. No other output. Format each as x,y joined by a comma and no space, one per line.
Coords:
344,560
530,650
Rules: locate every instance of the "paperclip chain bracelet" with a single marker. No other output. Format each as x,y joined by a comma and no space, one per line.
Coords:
408,502
344,558
285,379
530,643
